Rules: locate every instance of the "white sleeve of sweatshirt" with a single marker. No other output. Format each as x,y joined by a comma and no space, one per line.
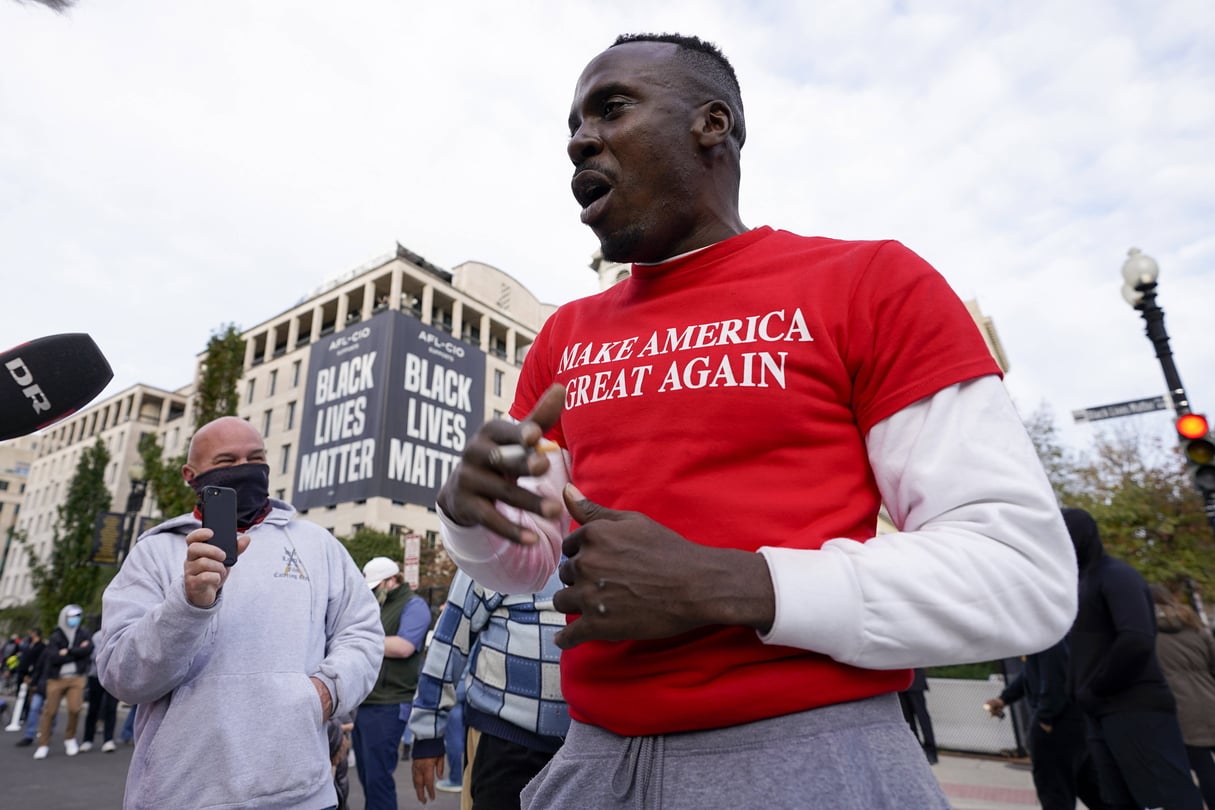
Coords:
983,567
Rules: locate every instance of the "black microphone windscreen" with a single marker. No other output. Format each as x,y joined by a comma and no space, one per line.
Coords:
46,379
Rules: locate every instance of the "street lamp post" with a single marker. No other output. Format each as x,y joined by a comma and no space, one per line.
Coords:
139,487
1139,274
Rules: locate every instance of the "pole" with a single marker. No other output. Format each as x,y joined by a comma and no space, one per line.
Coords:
1153,316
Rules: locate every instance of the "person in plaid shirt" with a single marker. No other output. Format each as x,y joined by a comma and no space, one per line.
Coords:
516,716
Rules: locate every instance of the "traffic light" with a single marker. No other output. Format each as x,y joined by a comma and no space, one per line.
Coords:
1198,447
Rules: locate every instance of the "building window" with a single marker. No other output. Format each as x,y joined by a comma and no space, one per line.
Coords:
295,374
286,462
3,486
266,422
355,528
249,388
498,376
281,494
290,415
432,539
273,382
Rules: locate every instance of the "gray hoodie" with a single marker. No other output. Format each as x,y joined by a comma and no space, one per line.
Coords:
227,714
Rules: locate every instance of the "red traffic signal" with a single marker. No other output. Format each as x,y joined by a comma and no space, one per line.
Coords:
1192,426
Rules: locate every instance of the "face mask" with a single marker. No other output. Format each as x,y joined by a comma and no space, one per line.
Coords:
252,485
381,595
73,621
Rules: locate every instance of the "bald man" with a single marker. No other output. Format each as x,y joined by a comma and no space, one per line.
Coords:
237,670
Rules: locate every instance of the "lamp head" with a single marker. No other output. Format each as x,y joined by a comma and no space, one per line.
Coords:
1139,269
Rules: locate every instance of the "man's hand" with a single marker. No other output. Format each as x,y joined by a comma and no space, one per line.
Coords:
498,455
630,577
425,771
205,569
322,692
995,707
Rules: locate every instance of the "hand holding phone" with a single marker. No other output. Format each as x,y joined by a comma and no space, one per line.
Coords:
219,515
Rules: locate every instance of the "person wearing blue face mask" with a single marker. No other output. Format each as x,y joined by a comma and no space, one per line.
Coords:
241,667
67,660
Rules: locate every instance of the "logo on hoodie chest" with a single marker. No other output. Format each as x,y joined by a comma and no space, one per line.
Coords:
292,567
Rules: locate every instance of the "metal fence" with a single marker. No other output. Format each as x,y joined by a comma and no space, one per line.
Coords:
962,724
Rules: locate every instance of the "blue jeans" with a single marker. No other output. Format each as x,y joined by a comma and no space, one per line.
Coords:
377,748
128,727
34,716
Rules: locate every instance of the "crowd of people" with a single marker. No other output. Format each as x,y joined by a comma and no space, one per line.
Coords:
683,582
61,669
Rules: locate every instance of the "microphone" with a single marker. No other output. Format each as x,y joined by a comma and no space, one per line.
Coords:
46,379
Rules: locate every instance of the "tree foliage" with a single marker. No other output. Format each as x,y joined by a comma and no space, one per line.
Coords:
366,543
435,568
1138,491
1059,462
223,365
1147,510
217,395
172,494
68,576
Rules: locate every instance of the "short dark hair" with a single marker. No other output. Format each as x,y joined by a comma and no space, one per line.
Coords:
706,61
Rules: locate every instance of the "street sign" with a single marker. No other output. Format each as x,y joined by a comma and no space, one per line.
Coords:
413,559
1135,406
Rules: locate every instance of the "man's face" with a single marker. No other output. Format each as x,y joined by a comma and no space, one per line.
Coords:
224,443
637,167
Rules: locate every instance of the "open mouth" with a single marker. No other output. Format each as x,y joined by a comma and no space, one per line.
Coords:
590,190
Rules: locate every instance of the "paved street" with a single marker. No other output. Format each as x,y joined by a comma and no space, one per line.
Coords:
94,781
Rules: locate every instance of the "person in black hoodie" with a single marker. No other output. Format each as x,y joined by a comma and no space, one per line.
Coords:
1133,734
1062,767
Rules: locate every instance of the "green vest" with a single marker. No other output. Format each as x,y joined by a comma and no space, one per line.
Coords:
398,678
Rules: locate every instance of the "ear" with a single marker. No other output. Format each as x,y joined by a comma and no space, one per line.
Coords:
714,124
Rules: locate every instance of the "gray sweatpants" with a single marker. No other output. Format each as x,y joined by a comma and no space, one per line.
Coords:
851,756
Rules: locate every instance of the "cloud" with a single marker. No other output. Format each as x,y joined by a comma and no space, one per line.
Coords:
165,168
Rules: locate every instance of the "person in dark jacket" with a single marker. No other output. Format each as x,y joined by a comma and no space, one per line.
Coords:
1133,734
1062,768
66,661
1187,656
914,704
30,673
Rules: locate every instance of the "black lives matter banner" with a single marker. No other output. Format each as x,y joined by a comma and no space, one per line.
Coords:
390,404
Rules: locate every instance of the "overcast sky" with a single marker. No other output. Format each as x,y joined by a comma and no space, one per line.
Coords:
169,166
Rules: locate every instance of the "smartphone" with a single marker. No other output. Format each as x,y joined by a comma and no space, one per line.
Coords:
219,515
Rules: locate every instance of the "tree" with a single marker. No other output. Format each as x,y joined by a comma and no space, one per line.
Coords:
68,575
173,495
366,543
1059,462
222,367
435,568
1148,513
